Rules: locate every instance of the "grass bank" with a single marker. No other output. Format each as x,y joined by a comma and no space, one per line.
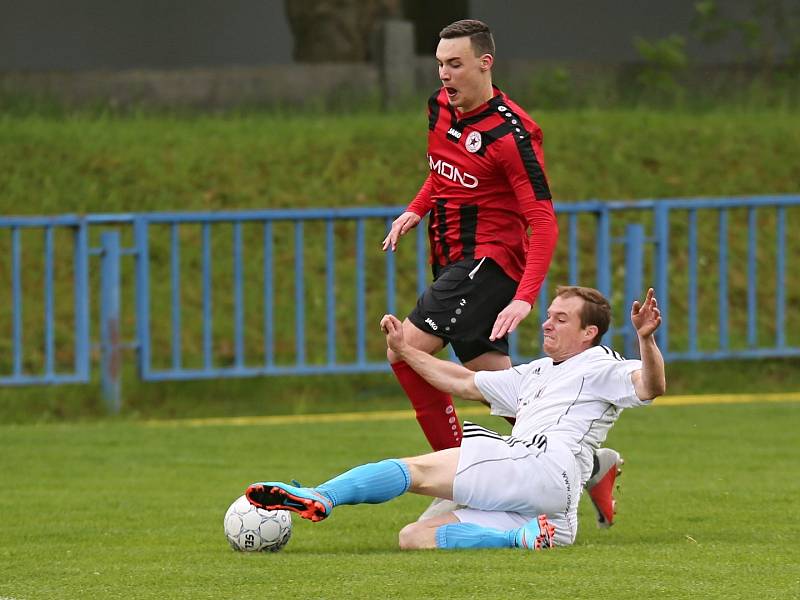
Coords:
83,163
89,163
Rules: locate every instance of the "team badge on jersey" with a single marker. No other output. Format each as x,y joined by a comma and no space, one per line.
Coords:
473,142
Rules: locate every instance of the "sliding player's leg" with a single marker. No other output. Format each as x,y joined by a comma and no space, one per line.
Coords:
372,483
448,532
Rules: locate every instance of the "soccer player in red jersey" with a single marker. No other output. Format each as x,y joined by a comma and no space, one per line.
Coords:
486,188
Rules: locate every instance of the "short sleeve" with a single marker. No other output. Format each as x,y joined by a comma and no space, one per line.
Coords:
501,390
616,384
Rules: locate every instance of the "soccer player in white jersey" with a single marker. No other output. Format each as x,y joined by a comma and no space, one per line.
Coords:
520,490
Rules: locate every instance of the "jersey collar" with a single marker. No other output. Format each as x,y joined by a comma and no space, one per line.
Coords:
478,113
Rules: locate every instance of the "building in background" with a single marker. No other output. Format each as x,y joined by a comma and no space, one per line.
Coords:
217,53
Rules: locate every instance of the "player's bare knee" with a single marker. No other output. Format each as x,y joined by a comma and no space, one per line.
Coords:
406,537
414,536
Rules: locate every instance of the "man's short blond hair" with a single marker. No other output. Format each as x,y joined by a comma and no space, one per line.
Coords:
596,309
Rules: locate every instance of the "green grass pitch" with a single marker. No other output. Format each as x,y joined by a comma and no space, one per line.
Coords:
707,509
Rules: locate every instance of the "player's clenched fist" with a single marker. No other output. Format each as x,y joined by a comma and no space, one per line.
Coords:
393,329
400,226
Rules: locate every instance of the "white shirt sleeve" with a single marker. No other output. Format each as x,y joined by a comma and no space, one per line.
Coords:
501,389
616,384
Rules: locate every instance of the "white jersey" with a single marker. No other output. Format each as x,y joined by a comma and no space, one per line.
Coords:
575,401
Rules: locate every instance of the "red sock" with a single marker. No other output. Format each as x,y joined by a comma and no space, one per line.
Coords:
435,411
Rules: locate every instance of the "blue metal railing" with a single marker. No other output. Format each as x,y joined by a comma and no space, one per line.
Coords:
76,258
263,292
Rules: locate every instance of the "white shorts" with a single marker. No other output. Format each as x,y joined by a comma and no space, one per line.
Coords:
505,482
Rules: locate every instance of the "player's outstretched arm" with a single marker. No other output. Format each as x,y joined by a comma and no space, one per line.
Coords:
400,226
441,374
651,380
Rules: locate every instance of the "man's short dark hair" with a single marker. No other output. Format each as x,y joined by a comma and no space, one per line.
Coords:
596,309
478,32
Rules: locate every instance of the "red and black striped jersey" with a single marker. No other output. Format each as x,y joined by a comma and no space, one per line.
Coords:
487,185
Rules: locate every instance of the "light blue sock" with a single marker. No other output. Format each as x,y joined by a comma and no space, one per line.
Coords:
469,535
372,483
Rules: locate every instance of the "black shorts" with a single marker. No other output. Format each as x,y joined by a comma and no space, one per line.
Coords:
461,309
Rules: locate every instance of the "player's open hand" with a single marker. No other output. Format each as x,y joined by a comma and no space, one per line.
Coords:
508,319
646,317
393,329
400,226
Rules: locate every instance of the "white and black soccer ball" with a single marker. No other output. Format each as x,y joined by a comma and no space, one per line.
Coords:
251,529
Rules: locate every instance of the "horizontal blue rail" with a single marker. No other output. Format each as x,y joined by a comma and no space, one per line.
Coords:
280,292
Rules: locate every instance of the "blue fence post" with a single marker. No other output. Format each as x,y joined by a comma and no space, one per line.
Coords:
238,295
175,305
422,259
299,294
662,268
692,307
142,295
109,321
603,256
752,308
267,293
780,279
722,295
603,250
634,254
82,301
49,301
330,291
572,240
16,299
361,298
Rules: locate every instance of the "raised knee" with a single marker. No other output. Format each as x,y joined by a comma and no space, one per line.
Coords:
408,538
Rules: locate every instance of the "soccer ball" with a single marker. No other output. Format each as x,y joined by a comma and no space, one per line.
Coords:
251,529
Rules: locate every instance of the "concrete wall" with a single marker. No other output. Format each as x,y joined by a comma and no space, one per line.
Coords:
44,35
215,53
601,31
204,88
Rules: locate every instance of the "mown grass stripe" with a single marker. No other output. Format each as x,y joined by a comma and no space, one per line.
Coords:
727,399
394,415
